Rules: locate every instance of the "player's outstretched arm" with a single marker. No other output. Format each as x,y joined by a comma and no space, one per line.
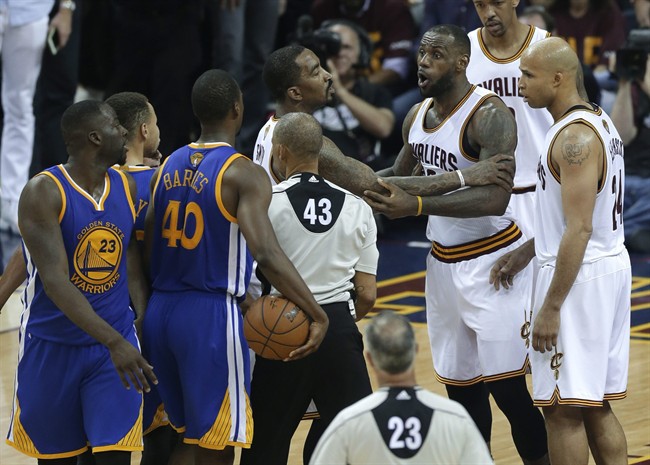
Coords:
38,218
578,157
13,276
252,189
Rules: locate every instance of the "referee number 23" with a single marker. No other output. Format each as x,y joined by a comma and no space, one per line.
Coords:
406,433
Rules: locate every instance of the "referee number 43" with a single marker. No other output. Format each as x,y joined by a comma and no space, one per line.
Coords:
406,433
320,211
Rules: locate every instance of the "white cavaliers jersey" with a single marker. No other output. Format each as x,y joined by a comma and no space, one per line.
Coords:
402,426
327,233
263,145
501,76
607,222
445,148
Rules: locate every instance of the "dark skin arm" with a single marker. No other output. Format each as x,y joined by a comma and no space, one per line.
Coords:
357,177
13,276
491,118
247,195
38,213
137,282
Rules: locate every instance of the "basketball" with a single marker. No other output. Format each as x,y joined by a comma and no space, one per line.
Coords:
275,326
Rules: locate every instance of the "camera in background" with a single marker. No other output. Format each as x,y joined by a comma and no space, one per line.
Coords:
323,42
632,58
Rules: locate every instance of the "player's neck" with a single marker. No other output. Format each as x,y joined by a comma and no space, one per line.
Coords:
509,43
293,107
445,104
135,154
216,134
563,102
88,174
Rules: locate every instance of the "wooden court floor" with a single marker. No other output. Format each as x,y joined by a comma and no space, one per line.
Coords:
634,411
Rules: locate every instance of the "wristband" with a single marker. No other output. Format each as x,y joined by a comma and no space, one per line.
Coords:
419,206
460,178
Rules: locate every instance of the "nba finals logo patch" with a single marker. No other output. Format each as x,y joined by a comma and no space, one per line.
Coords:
196,158
606,126
97,257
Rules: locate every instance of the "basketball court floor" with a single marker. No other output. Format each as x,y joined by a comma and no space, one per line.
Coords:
403,250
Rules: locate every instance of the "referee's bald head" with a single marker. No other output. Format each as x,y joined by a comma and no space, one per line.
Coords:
300,133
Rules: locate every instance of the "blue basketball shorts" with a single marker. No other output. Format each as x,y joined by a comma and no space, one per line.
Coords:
196,344
68,397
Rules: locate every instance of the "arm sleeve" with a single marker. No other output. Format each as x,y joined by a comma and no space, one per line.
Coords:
369,256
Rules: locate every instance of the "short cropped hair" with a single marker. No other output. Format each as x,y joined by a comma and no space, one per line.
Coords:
132,109
459,36
300,133
281,70
213,95
82,117
391,342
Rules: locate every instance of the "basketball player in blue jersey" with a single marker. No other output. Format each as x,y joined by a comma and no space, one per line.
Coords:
209,208
474,330
80,375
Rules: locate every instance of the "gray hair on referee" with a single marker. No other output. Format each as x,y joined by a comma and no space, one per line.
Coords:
390,340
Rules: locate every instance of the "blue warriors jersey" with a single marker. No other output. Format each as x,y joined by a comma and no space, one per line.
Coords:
142,176
197,244
96,236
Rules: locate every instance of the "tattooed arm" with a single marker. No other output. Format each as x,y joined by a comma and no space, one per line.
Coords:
577,155
493,117
357,177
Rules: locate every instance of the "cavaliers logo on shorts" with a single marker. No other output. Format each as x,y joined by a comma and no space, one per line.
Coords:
97,258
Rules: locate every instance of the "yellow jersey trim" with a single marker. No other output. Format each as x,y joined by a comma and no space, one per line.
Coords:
466,122
451,113
217,188
207,145
517,55
99,206
155,186
127,189
63,197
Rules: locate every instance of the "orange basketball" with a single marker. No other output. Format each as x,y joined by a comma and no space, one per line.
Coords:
275,326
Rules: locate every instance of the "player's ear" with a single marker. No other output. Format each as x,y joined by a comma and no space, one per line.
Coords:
515,3
463,61
144,130
95,138
294,93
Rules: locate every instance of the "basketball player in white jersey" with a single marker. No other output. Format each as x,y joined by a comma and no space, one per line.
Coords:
298,83
400,422
581,325
474,332
494,65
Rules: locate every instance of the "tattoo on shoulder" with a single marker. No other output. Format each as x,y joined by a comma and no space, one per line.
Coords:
498,122
574,151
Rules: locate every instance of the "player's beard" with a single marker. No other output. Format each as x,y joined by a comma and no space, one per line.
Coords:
443,85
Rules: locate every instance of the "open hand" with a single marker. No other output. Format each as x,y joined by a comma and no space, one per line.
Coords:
131,366
499,170
395,204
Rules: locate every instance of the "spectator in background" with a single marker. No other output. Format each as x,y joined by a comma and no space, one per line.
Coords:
360,114
642,12
391,28
57,85
157,52
538,16
23,32
593,28
631,114
243,38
